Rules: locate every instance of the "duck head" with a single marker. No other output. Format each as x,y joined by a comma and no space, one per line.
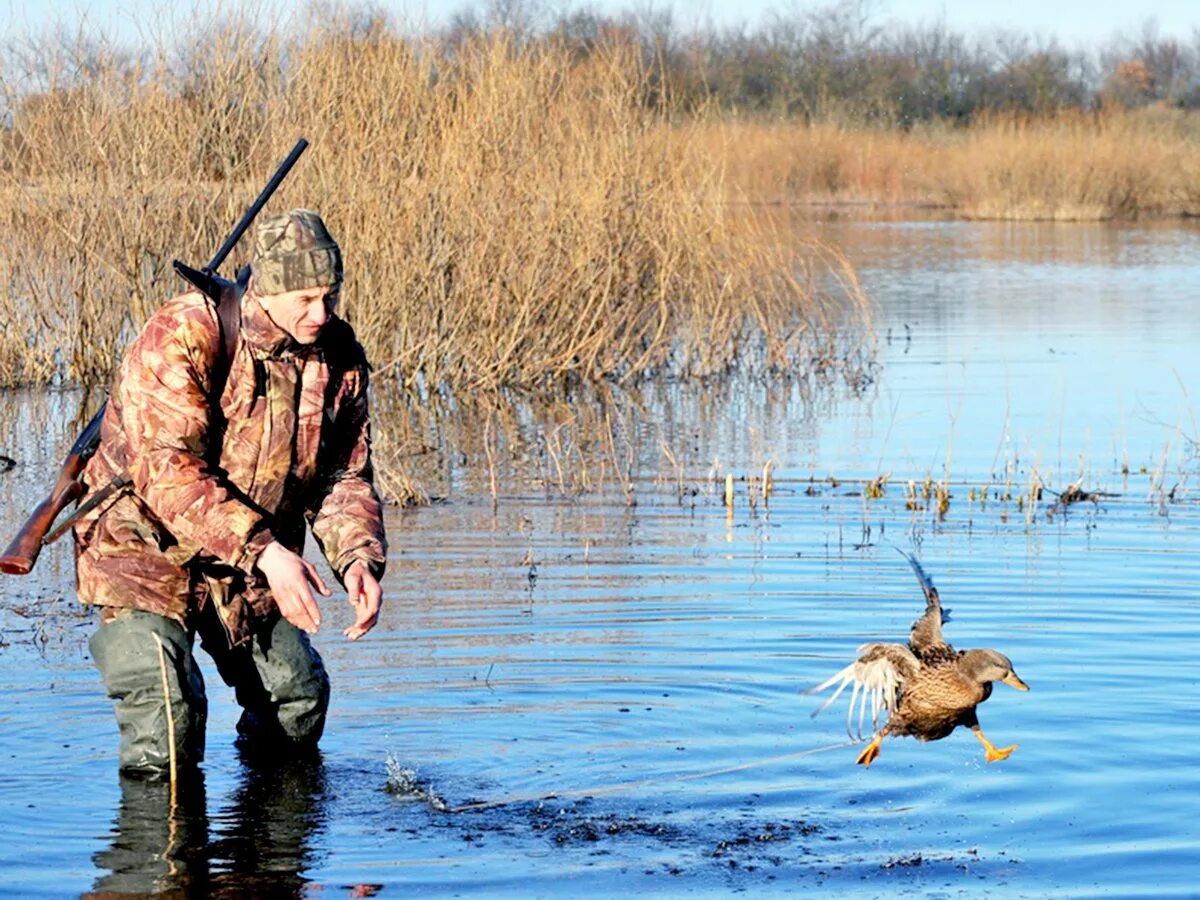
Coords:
983,666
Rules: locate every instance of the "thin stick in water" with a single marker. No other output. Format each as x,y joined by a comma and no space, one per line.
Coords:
162,664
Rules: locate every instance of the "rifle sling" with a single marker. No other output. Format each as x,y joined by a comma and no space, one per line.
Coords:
229,317
95,499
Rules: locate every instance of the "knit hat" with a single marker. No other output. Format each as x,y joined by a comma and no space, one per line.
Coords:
294,251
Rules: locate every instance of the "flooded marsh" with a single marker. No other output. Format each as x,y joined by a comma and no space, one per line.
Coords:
598,690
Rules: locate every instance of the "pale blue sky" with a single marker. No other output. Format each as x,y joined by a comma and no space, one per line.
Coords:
1074,22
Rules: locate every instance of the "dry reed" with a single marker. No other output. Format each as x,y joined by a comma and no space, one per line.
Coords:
1072,166
513,215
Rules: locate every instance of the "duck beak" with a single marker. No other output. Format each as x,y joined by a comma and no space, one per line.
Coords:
1012,680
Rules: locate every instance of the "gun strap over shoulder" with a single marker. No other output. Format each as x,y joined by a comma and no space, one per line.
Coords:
229,317
226,297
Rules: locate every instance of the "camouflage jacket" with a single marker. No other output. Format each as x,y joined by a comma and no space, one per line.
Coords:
210,489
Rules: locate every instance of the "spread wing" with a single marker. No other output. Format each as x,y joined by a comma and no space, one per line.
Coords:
926,632
878,677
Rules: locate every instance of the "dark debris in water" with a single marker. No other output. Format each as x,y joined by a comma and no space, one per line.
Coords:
906,862
739,846
770,844
566,827
970,859
769,833
581,825
744,846
1072,495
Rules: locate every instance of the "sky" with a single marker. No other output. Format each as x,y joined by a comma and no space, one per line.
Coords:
1075,23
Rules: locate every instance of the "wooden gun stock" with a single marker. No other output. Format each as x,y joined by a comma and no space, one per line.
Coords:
19,557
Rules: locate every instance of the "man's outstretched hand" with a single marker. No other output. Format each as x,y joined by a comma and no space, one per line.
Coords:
292,578
365,596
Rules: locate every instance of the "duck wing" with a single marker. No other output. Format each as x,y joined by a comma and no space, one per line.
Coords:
926,635
877,677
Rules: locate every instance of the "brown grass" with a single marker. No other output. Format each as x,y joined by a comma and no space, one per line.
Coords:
1073,166
513,216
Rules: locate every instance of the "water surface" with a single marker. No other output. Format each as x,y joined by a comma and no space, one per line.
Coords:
609,681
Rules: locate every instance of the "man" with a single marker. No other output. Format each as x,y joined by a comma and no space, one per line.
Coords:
227,456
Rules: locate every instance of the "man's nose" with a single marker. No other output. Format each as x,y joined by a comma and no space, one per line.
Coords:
319,313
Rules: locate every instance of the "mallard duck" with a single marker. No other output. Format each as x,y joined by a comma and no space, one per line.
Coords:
928,688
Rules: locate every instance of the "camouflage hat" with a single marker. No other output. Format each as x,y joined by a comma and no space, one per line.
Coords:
294,251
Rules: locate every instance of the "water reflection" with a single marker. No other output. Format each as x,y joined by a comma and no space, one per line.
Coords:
155,848
261,842
598,436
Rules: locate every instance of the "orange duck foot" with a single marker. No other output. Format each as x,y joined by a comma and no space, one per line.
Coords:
994,753
870,752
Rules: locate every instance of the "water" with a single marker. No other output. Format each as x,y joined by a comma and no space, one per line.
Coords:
592,695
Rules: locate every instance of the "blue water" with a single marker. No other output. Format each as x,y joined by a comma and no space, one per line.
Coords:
609,680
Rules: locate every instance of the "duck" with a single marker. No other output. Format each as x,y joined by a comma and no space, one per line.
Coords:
926,687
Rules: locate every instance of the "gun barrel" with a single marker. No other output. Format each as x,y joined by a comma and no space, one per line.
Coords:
257,205
88,442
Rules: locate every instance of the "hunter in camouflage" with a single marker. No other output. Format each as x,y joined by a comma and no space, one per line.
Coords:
205,538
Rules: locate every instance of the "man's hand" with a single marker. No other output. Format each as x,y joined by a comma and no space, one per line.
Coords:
290,576
365,595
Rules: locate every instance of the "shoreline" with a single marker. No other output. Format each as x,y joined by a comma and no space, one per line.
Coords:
868,209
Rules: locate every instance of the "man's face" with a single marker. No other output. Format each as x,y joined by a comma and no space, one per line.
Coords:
304,312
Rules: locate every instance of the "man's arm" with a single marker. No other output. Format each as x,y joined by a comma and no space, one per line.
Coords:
346,513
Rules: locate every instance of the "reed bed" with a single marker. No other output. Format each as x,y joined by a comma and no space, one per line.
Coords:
1071,166
514,215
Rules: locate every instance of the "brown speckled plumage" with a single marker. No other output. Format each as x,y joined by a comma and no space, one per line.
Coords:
927,687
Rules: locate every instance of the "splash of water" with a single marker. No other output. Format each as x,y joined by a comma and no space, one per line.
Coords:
403,782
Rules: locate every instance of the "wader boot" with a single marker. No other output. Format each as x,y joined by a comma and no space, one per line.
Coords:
135,651
279,681
277,677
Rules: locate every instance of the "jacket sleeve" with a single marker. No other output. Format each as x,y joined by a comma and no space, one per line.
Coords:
345,512
166,418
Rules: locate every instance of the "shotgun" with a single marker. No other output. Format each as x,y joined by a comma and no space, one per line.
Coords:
21,554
